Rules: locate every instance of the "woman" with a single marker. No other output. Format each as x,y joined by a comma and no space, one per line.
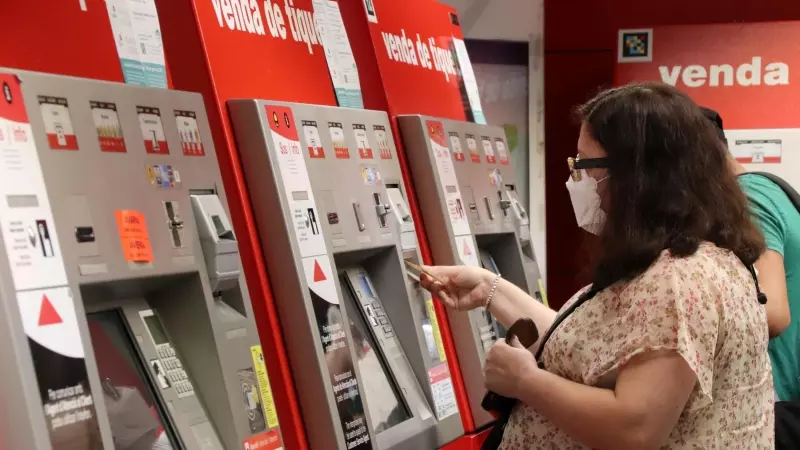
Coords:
668,348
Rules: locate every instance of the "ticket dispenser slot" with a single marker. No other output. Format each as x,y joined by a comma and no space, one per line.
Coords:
220,248
402,215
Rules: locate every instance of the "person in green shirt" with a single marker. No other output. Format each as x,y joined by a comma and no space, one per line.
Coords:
779,278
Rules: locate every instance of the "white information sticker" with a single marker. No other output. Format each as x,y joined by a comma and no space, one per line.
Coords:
444,396
296,184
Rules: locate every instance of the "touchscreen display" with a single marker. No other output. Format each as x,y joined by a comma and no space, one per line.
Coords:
385,405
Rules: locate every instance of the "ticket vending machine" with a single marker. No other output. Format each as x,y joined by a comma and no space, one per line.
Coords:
331,210
127,323
467,194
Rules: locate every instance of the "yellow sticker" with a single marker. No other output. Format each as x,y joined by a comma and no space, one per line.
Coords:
263,384
541,291
437,333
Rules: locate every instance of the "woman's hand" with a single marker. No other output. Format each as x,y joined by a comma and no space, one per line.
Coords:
459,287
505,366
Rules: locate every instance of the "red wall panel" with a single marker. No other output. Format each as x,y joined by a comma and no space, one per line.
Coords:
580,43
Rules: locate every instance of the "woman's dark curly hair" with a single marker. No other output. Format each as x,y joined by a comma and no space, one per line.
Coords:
670,184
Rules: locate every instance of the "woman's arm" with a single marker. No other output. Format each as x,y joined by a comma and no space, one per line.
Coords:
651,392
510,303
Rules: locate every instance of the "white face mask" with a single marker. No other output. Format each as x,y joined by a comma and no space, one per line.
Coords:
586,203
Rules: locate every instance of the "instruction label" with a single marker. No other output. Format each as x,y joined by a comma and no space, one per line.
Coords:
437,332
296,184
189,133
313,141
337,137
109,131
267,402
57,123
137,35
268,440
447,178
134,236
364,149
155,143
338,53
472,146
383,141
502,151
444,396
46,307
488,150
455,145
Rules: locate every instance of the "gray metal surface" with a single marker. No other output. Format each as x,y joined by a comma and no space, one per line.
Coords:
211,333
498,223
361,236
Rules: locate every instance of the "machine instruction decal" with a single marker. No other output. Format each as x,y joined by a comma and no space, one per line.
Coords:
472,146
46,307
265,390
339,360
252,400
137,34
444,396
296,184
455,145
364,149
109,130
134,236
502,151
155,142
189,133
383,141
313,141
447,178
57,123
337,137
268,440
488,150
338,53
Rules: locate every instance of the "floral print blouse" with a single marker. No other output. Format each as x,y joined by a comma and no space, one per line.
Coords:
704,307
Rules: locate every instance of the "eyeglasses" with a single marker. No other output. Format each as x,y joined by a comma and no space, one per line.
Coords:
576,165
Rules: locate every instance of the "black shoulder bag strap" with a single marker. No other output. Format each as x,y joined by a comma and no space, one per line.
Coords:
786,187
495,437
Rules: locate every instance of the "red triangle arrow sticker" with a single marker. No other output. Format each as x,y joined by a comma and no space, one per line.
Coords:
48,314
319,275
467,250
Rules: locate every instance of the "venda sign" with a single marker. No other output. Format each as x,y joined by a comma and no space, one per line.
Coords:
743,70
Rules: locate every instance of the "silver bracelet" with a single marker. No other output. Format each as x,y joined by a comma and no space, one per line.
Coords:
492,291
